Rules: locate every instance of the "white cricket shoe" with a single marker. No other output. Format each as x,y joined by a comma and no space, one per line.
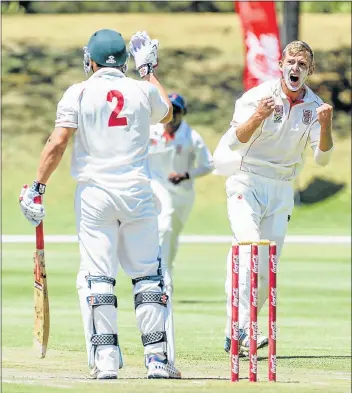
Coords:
97,374
161,369
262,341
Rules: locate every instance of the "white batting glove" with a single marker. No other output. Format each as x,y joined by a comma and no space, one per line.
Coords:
145,52
32,210
155,43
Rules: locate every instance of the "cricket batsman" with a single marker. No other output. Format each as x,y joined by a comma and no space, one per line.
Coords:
177,156
261,154
109,115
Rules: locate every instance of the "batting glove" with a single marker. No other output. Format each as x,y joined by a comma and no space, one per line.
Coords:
144,35
177,178
29,198
145,52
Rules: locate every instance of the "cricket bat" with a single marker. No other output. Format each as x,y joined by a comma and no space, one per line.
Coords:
41,300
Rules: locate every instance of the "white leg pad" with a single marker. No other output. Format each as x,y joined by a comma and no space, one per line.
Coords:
100,324
151,316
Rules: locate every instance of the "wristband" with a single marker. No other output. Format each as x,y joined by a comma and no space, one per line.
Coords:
145,69
38,187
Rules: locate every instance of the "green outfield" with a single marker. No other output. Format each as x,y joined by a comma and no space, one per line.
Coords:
201,56
314,325
211,63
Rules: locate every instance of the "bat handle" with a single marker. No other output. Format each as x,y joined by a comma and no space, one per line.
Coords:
39,231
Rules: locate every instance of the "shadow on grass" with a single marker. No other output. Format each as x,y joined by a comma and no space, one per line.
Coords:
318,190
200,301
211,379
335,357
205,379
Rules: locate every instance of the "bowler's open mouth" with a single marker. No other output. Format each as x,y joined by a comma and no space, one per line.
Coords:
293,78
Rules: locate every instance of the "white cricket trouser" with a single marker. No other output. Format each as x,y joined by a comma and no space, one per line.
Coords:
116,228
175,210
258,208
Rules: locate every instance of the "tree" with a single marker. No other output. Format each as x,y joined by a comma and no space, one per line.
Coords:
290,26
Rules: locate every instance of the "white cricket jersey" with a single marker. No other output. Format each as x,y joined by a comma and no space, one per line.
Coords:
112,114
276,148
184,152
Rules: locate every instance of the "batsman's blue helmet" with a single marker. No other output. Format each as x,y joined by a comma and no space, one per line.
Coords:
178,100
107,48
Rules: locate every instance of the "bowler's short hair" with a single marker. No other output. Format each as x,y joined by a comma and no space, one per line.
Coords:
295,47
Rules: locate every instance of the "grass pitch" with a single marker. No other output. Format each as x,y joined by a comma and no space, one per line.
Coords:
314,325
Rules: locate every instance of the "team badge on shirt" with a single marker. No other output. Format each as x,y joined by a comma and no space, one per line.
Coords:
278,113
307,116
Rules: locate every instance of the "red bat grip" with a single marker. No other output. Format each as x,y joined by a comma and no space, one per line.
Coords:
39,231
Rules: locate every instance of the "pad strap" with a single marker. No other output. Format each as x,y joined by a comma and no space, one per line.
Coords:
104,339
147,278
99,300
106,279
150,297
153,338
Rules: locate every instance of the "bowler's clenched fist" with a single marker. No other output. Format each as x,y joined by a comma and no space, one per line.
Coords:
324,113
265,107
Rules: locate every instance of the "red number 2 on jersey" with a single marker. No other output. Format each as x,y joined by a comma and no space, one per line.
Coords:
114,120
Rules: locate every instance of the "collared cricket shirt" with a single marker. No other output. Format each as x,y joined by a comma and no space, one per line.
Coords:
276,148
184,151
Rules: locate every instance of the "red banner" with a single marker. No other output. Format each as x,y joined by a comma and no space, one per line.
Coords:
262,41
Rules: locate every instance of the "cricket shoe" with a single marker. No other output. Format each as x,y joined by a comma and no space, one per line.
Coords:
244,341
97,374
227,347
262,341
161,369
